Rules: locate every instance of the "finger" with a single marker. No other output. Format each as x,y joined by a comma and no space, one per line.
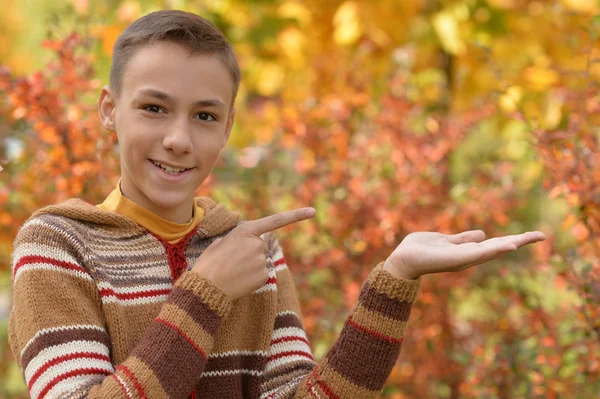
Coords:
273,222
467,236
518,240
475,254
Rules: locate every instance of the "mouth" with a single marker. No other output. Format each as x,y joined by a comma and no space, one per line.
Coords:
175,171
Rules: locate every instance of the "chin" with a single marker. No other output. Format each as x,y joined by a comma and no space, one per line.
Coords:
167,200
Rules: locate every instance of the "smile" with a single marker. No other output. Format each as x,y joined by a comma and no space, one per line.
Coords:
168,169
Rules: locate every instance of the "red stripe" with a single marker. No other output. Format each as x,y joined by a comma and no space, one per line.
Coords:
71,356
183,335
288,339
324,387
108,292
69,374
291,353
123,388
373,332
271,280
29,259
131,376
280,261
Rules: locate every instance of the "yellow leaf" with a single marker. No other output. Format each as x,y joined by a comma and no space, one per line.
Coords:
540,79
291,42
510,99
348,28
270,79
581,5
294,10
446,28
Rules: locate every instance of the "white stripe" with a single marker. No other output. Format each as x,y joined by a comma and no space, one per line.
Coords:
129,251
312,388
277,255
222,373
239,353
288,332
35,249
71,384
61,328
289,346
136,289
124,385
49,267
272,364
288,312
73,347
280,268
265,395
135,301
265,288
63,368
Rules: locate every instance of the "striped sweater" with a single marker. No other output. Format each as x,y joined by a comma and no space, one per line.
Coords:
102,308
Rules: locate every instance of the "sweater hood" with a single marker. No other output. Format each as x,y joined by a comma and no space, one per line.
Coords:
217,218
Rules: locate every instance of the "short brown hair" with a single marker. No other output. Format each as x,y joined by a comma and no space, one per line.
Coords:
198,34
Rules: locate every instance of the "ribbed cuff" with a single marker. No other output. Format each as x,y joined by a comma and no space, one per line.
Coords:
394,287
209,293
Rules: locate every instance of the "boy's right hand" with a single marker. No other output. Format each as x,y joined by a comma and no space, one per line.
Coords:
236,263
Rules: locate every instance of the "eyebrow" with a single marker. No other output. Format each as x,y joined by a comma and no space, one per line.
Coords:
165,97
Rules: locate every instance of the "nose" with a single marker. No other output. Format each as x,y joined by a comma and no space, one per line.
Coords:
177,137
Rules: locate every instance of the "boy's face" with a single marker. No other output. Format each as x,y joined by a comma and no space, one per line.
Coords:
174,109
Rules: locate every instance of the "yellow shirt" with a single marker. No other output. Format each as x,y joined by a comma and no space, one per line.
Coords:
165,229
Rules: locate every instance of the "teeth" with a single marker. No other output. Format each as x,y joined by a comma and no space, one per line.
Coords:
168,168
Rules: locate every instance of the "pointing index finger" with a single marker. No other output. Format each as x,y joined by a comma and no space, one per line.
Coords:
273,222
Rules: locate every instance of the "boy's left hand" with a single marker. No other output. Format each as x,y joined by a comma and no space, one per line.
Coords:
424,252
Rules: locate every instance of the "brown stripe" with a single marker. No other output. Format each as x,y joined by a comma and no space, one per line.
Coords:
342,387
198,310
378,323
162,349
248,362
226,387
372,299
362,358
152,386
287,320
53,338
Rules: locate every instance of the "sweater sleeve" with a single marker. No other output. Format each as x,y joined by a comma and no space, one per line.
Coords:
58,334
362,358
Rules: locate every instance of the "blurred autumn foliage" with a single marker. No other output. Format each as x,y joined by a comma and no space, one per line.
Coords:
388,117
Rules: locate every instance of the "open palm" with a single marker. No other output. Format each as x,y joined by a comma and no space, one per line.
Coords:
426,252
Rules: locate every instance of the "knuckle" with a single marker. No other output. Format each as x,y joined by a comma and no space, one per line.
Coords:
278,220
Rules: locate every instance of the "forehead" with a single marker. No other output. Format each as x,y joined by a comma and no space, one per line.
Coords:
173,69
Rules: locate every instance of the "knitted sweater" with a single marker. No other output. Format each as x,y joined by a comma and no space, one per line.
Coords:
104,309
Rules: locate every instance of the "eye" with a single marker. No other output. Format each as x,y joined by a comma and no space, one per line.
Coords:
206,116
155,109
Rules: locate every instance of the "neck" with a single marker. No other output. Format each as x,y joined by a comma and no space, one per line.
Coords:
180,214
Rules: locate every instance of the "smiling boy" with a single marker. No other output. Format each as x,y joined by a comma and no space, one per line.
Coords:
155,293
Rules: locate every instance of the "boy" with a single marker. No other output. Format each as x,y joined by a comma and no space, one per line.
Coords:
155,293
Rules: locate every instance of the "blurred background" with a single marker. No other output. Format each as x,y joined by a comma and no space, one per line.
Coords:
388,117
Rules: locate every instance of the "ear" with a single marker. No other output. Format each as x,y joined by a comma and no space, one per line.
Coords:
230,120
107,108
